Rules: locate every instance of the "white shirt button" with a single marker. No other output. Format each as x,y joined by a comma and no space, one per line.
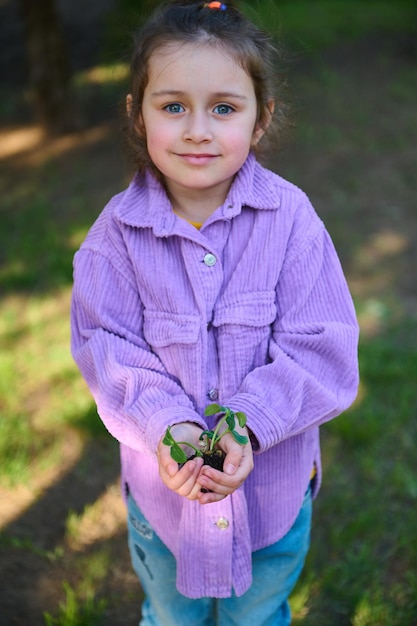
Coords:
210,260
213,394
222,523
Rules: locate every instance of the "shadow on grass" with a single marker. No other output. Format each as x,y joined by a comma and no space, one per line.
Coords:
362,566
40,556
47,207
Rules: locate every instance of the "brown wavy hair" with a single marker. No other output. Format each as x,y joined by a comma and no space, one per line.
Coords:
194,22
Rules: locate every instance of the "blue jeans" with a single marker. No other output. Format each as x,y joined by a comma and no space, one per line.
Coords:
275,571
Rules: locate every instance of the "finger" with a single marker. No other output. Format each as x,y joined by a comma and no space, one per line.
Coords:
222,483
171,468
218,482
234,455
190,489
233,458
184,479
195,492
208,498
167,465
238,461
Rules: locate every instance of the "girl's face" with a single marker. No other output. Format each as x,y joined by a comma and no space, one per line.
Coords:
199,115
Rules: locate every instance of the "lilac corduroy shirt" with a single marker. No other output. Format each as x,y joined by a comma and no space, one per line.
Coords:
253,308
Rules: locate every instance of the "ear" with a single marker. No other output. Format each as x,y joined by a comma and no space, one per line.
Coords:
138,125
260,129
129,104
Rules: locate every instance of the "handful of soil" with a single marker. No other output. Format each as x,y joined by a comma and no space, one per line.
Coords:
212,455
215,459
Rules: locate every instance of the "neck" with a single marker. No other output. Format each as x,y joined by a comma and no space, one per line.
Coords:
196,205
194,212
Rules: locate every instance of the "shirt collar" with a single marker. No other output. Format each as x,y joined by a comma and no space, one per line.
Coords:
145,204
253,187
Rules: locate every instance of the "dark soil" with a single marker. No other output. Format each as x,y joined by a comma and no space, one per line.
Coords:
215,460
35,555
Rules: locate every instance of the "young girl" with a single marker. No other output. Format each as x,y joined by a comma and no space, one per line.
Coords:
212,279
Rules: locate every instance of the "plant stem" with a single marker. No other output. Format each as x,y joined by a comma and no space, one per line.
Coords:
217,437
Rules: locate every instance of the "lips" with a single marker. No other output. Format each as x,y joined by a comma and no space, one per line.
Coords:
198,159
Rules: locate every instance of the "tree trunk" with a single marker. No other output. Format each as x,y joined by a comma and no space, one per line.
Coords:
48,65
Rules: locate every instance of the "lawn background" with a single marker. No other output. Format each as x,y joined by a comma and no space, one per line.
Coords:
353,80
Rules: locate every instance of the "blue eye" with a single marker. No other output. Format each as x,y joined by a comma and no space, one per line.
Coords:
223,109
174,108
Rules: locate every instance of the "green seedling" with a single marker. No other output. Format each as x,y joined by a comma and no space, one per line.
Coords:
209,438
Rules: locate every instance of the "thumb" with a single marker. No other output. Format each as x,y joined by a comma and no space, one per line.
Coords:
233,459
166,462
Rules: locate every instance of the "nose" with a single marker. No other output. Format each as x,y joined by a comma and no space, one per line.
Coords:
198,128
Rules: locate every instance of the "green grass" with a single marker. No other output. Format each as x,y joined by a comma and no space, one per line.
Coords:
363,562
315,26
41,393
76,612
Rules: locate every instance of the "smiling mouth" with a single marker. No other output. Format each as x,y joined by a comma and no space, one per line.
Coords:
197,159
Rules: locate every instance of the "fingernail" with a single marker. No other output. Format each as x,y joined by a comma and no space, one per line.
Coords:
230,468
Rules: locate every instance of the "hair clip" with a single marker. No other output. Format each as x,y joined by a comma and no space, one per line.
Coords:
216,5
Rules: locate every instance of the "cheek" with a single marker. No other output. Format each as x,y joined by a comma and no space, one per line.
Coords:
156,140
159,133
241,134
239,139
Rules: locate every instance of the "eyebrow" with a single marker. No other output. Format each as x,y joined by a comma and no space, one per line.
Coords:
175,92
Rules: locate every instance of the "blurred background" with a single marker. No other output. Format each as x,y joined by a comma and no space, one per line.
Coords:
352,85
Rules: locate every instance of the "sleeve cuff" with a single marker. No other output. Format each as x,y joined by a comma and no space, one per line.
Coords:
265,427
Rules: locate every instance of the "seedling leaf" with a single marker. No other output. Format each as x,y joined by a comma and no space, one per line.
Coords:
230,420
177,453
241,418
206,433
212,409
168,439
239,438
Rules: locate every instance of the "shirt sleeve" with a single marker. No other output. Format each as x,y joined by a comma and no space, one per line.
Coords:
312,375
136,397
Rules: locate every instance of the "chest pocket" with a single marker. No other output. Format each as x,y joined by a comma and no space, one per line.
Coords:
243,328
165,329
249,310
